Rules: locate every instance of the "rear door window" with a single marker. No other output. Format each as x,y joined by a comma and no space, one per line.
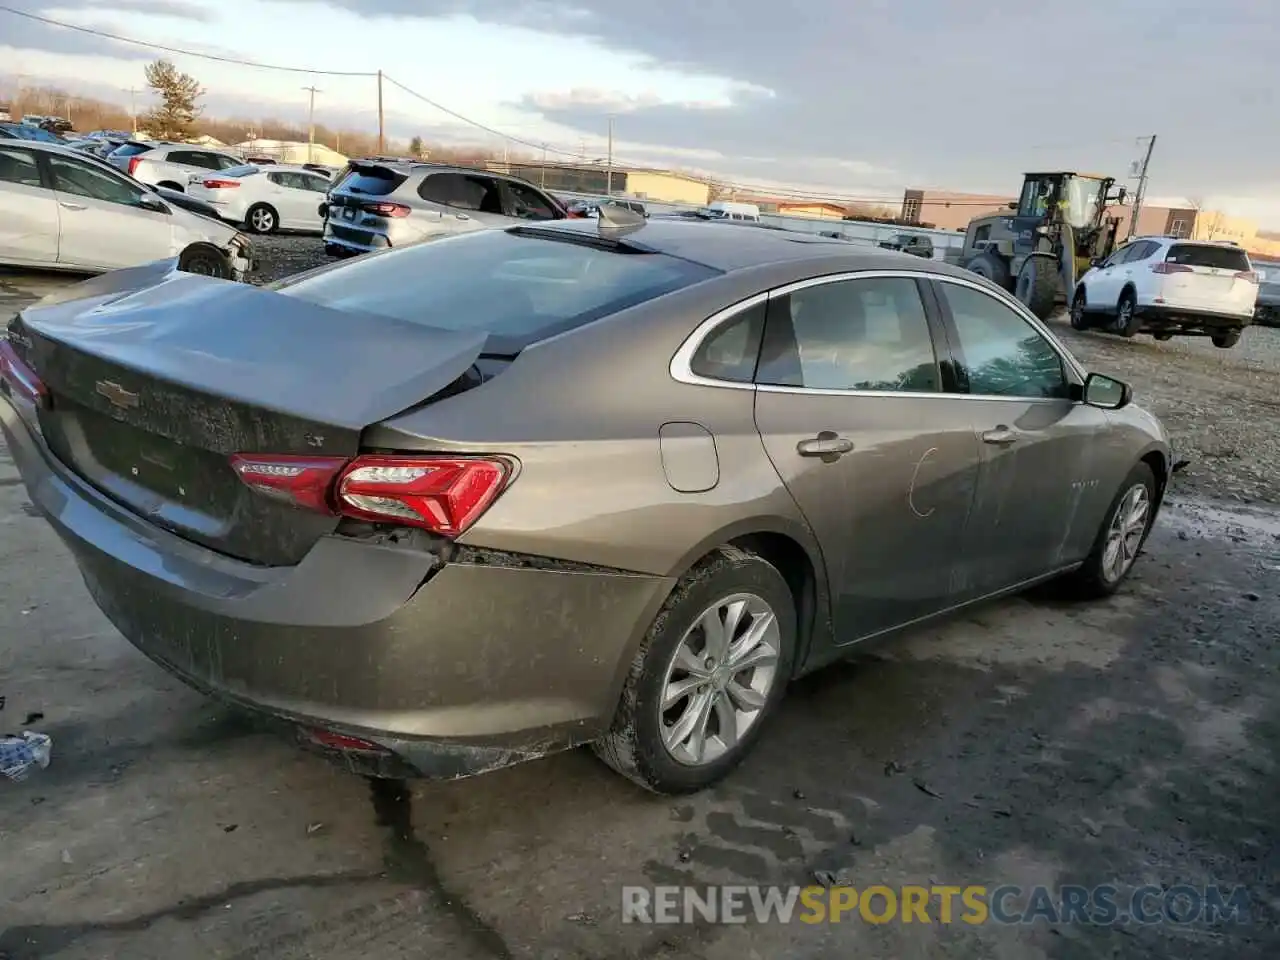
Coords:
130,150
1207,255
518,285
462,191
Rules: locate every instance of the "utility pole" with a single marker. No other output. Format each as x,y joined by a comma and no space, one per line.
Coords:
133,108
543,180
382,138
1142,187
311,124
608,177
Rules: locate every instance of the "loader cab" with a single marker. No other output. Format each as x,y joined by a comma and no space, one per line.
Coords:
1079,198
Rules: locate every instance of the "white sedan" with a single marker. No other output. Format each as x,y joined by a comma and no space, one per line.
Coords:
265,199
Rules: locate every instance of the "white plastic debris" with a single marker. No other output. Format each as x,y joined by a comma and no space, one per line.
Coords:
18,754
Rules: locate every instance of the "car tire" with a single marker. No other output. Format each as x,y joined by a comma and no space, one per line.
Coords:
1100,576
1079,319
991,267
637,744
1226,340
1127,322
205,260
262,218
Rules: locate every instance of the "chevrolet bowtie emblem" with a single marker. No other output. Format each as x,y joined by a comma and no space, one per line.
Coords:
116,395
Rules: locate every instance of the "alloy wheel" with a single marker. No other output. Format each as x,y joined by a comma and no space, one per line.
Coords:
1125,532
263,220
719,679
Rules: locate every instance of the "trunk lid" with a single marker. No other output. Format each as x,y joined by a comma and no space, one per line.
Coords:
1209,279
154,385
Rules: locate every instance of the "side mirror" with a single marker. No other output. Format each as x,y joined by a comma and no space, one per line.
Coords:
1011,205
1106,392
1097,261
149,201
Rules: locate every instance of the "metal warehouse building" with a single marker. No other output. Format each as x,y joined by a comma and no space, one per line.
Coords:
593,178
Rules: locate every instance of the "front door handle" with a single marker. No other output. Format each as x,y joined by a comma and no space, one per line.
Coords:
70,206
1001,436
826,445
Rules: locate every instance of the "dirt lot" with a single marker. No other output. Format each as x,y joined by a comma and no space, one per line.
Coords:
1130,742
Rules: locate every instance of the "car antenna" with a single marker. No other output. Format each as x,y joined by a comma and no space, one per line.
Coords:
617,221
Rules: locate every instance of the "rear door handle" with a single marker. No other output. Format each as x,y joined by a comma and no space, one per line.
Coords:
1001,436
826,445
71,206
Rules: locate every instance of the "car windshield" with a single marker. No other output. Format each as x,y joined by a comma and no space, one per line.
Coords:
1206,255
517,285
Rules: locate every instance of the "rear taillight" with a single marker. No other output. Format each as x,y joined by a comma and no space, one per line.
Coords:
220,184
19,380
1170,268
299,481
133,164
386,209
1248,276
442,494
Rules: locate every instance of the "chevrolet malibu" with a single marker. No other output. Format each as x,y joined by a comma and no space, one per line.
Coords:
448,507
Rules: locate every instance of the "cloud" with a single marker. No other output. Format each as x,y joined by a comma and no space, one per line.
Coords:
23,33
947,93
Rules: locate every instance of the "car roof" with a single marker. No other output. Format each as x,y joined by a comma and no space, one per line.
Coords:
730,247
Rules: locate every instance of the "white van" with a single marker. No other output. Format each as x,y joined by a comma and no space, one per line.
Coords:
728,210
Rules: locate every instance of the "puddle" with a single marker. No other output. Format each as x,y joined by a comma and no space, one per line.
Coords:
1252,525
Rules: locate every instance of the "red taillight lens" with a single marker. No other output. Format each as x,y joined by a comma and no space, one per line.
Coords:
386,209
18,379
442,494
133,164
299,481
1170,268
220,184
1248,276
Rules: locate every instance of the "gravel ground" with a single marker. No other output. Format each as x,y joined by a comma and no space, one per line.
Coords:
1219,406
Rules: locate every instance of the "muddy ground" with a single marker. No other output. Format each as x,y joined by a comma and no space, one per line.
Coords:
1129,742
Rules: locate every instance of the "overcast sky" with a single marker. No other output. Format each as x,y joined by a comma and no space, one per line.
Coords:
861,98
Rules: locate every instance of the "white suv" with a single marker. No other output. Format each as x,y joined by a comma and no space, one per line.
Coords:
172,165
1166,286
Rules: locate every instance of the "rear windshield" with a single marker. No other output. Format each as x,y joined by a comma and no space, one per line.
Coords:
1204,255
517,287
373,183
130,149
247,170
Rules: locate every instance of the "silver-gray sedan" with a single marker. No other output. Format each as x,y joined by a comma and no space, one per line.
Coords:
445,508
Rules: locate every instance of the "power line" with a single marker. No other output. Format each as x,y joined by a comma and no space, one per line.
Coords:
475,123
179,50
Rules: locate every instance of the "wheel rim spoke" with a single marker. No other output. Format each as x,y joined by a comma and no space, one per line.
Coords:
1125,532
719,679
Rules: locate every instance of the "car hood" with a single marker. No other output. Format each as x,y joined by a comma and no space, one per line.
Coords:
252,346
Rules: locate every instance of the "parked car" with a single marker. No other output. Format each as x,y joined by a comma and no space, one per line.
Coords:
63,210
471,501
1168,286
172,165
1267,311
379,205
916,244
25,131
99,147
265,200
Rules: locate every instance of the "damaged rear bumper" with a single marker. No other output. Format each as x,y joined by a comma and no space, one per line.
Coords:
383,654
